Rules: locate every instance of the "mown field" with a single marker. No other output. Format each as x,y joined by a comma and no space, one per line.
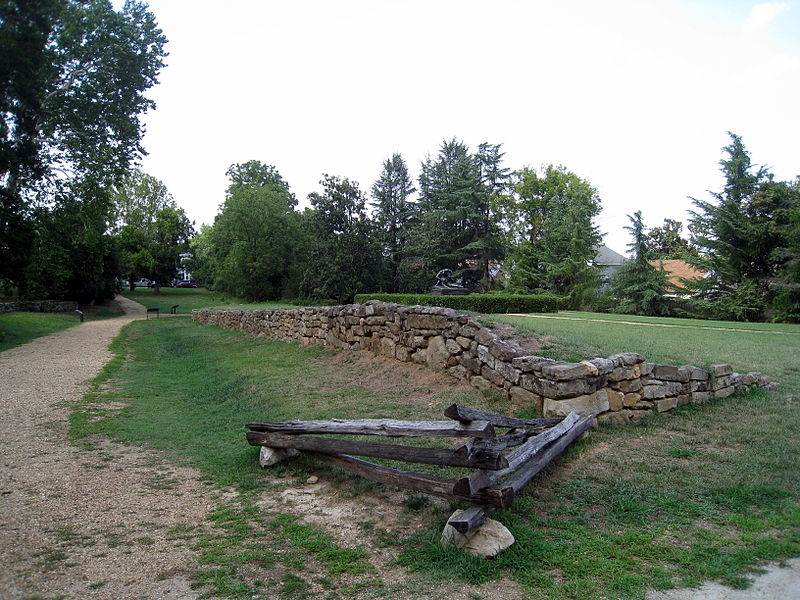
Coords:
19,328
705,492
189,299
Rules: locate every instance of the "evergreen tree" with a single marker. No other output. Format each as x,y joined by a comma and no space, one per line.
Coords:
393,214
665,242
638,286
740,235
554,236
344,255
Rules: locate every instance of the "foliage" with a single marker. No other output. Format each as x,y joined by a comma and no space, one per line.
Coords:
483,303
637,285
554,235
666,243
745,238
256,243
153,231
344,257
72,79
456,226
393,214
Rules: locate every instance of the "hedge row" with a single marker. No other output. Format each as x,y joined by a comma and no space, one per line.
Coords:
482,303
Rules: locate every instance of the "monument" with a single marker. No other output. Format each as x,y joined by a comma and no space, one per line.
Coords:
446,285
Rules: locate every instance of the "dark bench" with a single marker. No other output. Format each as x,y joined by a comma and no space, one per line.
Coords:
174,309
153,310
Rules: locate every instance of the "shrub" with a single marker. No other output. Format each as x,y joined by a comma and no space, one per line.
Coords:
311,302
482,303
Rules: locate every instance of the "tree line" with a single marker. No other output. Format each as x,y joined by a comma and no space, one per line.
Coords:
76,218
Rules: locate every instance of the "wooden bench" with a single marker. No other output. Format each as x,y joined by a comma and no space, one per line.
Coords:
174,309
153,310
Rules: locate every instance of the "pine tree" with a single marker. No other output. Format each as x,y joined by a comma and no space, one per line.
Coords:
393,214
638,286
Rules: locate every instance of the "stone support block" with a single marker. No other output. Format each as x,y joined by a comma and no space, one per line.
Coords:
666,404
590,404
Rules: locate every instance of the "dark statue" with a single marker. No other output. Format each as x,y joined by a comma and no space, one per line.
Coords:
446,284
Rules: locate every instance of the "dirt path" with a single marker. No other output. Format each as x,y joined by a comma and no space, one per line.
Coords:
75,524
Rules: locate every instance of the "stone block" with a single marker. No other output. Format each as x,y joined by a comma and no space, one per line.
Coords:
645,368
468,331
721,370
463,342
666,404
725,392
453,347
387,347
670,373
568,371
470,362
492,375
628,358
528,364
631,400
622,373
505,351
653,392
437,354
485,356
638,415
615,400
604,366
481,383
484,336
684,399
458,372
402,353
696,373
426,321
508,372
626,386
644,405
621,417
700,397
590,404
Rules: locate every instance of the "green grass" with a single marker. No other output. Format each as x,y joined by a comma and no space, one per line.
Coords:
19,328
704,492
189,299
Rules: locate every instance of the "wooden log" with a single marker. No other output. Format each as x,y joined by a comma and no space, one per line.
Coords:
498,496
517,457
533,467
492,460
465,415
511,438
385,427
470,518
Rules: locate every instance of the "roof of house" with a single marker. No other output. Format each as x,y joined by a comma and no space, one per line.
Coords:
607,257
676,270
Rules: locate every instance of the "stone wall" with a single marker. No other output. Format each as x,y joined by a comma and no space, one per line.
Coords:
618,389
38,306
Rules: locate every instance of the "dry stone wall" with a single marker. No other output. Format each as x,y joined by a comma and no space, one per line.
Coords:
618,389
38,306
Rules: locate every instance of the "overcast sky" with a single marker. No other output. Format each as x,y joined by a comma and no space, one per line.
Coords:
635,96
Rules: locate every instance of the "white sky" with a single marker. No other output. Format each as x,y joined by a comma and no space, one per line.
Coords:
636,96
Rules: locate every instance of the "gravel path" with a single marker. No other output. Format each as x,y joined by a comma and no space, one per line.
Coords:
112,522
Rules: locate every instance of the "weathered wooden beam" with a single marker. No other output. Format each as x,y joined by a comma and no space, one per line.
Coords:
533,467
481,459
516,458
470,518
385,427
499,496
465,415
513,437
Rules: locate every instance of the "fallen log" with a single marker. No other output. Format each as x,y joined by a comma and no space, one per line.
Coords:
385,427
517,457
498,496
466,415
461,457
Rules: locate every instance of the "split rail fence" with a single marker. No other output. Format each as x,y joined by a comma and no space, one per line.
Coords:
503,463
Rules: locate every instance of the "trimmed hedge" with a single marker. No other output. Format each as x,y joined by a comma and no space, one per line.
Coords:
482,303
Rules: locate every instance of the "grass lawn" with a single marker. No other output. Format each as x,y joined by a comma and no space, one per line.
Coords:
18,328
189,299
705,492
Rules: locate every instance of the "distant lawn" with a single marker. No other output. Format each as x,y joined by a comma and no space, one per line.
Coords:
189,299
704,492
19,328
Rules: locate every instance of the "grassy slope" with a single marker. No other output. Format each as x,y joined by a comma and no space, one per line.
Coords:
704,493
18,328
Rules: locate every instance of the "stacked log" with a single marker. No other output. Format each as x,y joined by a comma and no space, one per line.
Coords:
497,479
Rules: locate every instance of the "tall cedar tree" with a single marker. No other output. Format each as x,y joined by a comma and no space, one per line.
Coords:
344,255
393,213
255,248
456,227
742,235
638,286
554,236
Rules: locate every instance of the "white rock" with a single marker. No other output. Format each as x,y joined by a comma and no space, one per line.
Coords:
487,541
271,456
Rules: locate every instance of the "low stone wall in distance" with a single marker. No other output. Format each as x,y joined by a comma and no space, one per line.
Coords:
618,389
38,306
